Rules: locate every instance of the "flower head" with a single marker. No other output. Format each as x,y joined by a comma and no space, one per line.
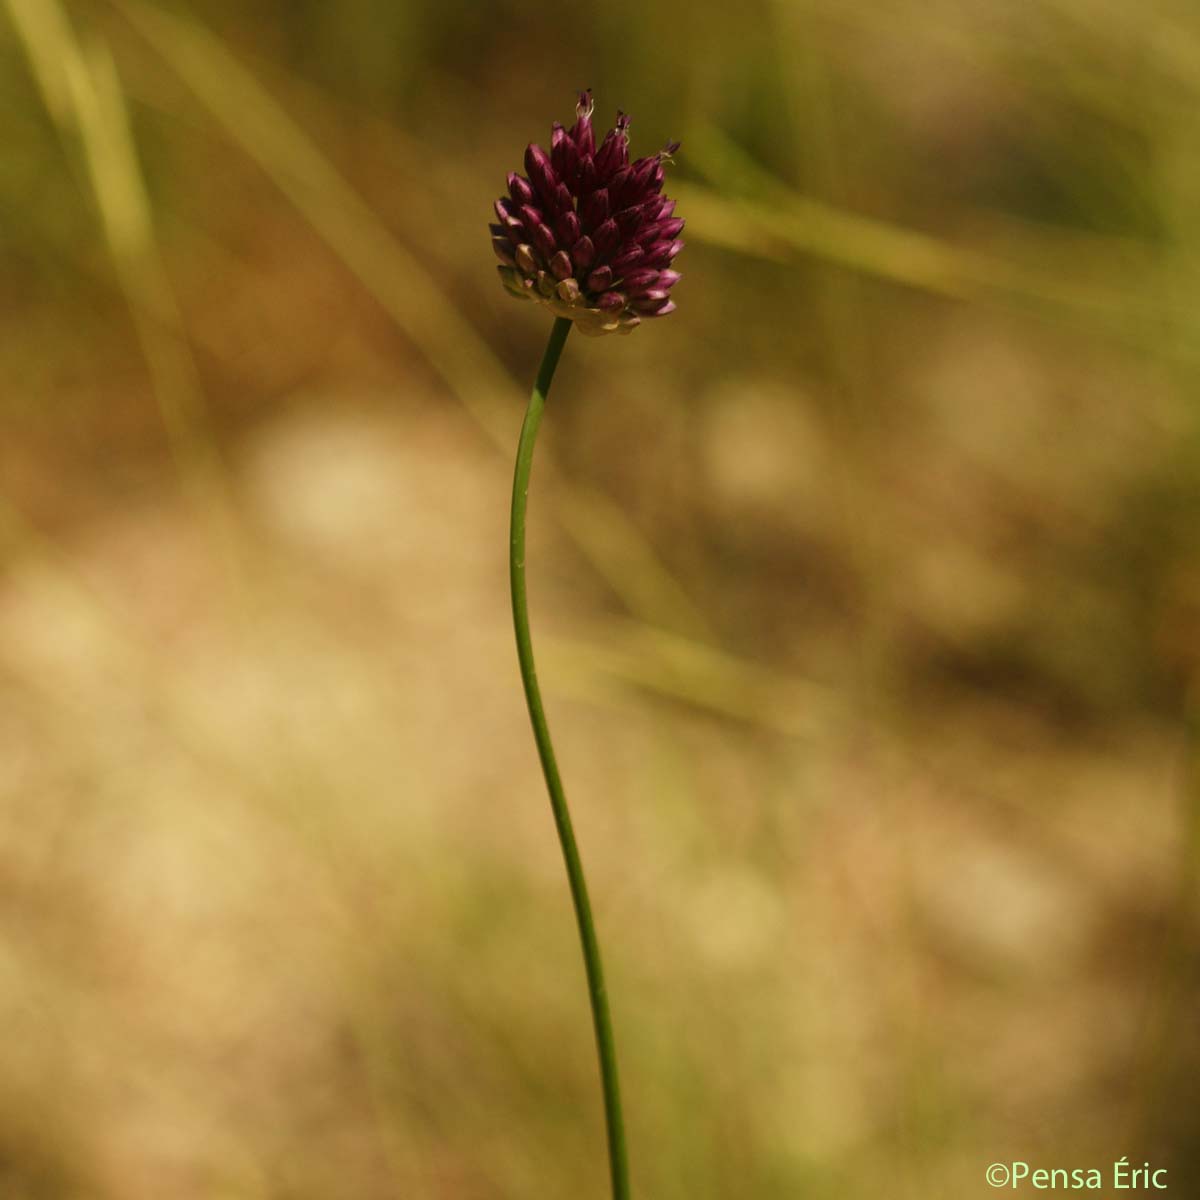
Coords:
588,233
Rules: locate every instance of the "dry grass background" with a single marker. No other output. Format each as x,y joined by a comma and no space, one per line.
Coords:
866,589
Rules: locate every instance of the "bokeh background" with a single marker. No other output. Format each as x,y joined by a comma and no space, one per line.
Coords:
866,590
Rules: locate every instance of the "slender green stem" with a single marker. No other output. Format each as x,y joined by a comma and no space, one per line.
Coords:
601,1020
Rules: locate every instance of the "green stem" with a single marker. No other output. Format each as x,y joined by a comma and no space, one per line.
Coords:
601,1020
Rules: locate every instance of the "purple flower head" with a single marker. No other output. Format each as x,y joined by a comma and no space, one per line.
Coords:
588,233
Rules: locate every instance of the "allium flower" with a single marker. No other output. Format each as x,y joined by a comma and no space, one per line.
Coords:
588,233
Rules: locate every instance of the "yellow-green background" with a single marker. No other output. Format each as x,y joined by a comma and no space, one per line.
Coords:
866,589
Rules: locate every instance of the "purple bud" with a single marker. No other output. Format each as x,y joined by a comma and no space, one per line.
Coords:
544,239
668,279
584,253
541,172
581,131
567,229
664,207
560,265
613,153
504,251
659,254
617,184
531,217
642,171
568,290
627,258
669,307
606,236
629,220
594,209
611,302
587,179
639,280
651,301
563,200
659,231
526,260
599,279
519,189
564,155
606,156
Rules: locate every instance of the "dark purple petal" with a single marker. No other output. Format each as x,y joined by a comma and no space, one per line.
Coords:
560,265
567,229
651,301
563,200
641,175
607,156
519,189
544,239
629,220
614,152
593,209
564,155
660,231
541,172
616,186
607,237
531,217
639,280
587,180
611,302
660,254
599,279
668,279
504,251
669,307
626,259
581,131
584,253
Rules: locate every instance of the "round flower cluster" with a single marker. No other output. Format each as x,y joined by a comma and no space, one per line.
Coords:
588,233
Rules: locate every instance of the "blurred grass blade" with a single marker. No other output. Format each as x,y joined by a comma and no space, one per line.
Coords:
770,220
83,93
257,122
44,33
